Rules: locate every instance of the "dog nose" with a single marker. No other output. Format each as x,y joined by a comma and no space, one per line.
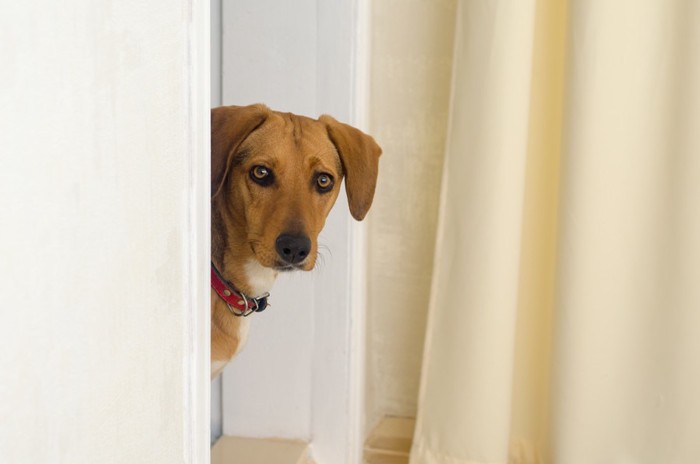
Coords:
293,249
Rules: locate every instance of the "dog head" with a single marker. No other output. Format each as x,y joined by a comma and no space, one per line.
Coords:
275,177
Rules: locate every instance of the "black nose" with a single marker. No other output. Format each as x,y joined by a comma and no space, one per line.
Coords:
293,249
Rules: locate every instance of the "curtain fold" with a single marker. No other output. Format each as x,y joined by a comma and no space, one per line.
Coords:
464,404
564,322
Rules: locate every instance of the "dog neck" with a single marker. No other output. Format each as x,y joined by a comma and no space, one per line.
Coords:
236,262
233,256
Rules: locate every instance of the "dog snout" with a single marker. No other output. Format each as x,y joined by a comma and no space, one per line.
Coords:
293,249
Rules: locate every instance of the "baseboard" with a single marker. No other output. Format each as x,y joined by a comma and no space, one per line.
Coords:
238,450
390,441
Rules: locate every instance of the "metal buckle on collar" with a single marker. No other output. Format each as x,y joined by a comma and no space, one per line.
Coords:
260,303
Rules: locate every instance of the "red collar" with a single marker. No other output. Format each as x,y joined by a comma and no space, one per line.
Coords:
237,302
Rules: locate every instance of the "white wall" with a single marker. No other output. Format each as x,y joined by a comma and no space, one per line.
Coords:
104,232
294,378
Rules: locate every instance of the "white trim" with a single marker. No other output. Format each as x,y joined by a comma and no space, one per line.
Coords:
196,387
338,392
357,427
357,341
361,65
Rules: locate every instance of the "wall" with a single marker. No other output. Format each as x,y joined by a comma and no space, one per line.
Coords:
411,62
104,243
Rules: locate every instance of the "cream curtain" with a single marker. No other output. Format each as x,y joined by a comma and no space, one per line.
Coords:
564,322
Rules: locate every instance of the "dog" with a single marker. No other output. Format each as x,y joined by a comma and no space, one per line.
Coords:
274,178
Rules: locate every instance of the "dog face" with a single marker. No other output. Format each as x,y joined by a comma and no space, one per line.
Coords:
275,177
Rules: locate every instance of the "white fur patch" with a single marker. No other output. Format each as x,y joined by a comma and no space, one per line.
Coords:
260,278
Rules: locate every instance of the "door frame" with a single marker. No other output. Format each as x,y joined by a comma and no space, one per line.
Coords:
196,384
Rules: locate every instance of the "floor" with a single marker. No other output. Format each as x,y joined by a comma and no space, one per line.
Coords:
390,441
237,450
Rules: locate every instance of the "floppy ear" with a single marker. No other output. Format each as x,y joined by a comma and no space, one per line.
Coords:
359,154
230,125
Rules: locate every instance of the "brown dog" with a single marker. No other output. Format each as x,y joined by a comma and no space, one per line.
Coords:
274,179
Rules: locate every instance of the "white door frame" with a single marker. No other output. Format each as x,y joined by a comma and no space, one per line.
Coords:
196,385
104,287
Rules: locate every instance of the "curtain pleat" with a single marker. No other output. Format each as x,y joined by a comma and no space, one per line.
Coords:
627,330
465,399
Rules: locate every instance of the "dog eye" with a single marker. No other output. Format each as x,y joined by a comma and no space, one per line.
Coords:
261,175
324,182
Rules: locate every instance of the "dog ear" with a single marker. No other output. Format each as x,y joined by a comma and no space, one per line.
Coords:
359,155
230,125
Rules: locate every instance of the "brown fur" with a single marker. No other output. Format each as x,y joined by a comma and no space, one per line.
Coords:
247,218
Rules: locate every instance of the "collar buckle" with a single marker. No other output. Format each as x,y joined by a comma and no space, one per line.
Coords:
250,305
